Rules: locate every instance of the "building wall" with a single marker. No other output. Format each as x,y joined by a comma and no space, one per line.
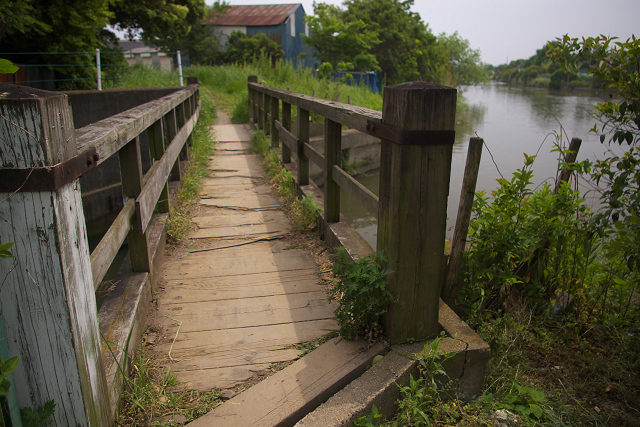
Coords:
223,33
287,35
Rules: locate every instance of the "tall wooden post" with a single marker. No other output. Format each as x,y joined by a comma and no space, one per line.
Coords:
266,102
252,96
286,122
48,300
333,156
131,171
414,185
260,97
303,137
453,284
156,148
172,130
275,115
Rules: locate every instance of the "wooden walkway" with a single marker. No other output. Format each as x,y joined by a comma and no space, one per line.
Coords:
238,299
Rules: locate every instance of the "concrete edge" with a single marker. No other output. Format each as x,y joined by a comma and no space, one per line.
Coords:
124,311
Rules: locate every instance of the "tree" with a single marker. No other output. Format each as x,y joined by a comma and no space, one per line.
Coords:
465,66
617,65
382,33
201,44
340,41
54,27
243,49
164,23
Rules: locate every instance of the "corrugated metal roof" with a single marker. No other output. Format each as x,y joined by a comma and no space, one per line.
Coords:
266,14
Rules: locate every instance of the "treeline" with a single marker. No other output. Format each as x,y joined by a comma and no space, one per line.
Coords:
540,71
372,35
386,36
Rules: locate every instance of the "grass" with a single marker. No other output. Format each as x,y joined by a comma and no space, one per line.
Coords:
304,211
148,399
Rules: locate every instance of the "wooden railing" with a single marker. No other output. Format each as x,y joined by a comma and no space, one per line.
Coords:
169,122
49,304
416,128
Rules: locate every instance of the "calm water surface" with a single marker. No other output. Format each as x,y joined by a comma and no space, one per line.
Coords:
512,121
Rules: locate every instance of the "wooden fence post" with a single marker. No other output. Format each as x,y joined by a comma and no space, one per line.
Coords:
286,122
266,105
333,156
48,300
574,147
453,285
414,185
260,111
172,131
131,172
275,113
303,137
156,149
252,96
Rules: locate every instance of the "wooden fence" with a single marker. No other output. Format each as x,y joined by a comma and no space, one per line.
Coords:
416,128
48,292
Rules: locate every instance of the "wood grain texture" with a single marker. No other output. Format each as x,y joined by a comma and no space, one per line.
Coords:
362,194
235,305
49,308
332,157
414,186
453,284
303,140
349,115
109,135
289,395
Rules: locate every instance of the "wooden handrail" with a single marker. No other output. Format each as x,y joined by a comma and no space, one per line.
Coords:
109,135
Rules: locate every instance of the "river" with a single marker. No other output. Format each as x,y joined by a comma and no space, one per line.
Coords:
512,121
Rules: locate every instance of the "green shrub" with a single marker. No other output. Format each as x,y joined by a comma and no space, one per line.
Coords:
361,292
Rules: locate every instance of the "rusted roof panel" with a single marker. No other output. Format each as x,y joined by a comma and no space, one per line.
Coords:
266,14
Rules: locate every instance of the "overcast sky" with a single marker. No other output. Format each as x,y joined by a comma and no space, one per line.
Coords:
514,29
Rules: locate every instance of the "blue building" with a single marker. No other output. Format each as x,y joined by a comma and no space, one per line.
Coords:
283,23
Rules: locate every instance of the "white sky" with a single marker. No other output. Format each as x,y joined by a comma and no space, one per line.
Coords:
514,29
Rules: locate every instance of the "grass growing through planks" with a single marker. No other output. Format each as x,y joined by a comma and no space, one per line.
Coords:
148,399
305,212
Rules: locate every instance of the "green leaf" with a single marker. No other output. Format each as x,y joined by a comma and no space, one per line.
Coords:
7,67
4,385
10,365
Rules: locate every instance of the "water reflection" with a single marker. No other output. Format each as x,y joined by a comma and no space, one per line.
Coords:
512,121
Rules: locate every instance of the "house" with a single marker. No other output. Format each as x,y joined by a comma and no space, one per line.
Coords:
136,52
283,23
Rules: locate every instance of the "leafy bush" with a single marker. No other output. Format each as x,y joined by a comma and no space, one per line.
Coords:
361,293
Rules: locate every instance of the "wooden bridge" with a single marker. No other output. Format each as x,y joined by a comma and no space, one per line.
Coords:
240,297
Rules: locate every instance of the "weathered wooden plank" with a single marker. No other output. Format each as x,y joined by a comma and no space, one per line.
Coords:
289,395
303,141
212,264
206,379
414,186
349,115
48,301
358,191
138,237
157,147
219,343
244,286
247,357
313,155
257,311
239,232
224,219
453,284
332,157
286,123
103,255
109,135
287,138
159,174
